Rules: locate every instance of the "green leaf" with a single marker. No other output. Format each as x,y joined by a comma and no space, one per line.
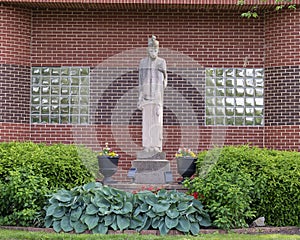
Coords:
172,213
76,213
65,224
183,206
48,222
205,222
56,226
122,222
91,209
79,227
63,196
51,209
91,221
195,228
59,212
161,207
183,225
101,229
156,222
109,219
171,222
163,229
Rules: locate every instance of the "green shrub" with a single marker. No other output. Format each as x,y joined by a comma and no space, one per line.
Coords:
98,208
28,171
242,183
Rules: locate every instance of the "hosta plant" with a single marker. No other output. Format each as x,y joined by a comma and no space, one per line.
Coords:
98,208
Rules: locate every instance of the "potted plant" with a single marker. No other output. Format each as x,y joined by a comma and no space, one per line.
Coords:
108,163
186,162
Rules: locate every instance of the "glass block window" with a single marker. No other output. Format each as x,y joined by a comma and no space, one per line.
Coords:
60,95
234,96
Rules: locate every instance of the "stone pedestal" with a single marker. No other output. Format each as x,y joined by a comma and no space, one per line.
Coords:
150,171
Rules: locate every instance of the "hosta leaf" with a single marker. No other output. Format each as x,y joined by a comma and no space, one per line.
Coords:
100,201
127,208
65,224
156,222
195,228
145,207
56,226
190,210
171,222
63,196
197,204
150,214
122,222
91,209
135,223
172,213
76,213
205,222
109,219
48,222
161,207
59,212
163,229
91,221
182,206
183,225
151,199
101,229
51,209
79,227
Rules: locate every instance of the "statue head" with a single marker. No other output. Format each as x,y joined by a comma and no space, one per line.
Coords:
153,46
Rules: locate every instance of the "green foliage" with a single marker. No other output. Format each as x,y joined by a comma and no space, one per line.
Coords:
22,196
98,208
28,171
242,183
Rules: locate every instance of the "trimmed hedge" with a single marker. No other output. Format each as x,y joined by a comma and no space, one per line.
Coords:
241,183
29,171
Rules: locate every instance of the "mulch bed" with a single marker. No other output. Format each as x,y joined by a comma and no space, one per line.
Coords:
254,230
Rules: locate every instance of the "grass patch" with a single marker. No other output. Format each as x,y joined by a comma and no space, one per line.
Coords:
17,234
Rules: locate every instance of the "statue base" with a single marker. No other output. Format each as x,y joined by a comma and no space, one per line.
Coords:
151,171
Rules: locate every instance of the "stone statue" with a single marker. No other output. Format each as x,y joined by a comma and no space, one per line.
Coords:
152,82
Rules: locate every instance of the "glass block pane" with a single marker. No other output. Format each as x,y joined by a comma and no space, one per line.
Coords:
84,119
46,81
35,109
239,92
220,82
64,100
45,110
229,102
54,80
55,109
54,90
249,102
55,71
239,102
74,90
54,100
250,82
239,121
35,119
210,82
65,71
45,118
45,100
229,82
64,109
259,101
36,71
229,121
230,92
75,100
75,81
35,100
209,72
259,83
75,110
210,111
219,72
75,119
249,92
46,71
210,91
84,100
229,111
220,111
249,111
249,121
210,101
65,81
84,71
219,120
259,92
240,72
84,90
84,110
36,80
84,81
54,119
35,90
45,90
220,101
229,72
239,111
75,71
259,73
249,73
258,111
220,92
65,91
240,82
64,119
209,121
259,121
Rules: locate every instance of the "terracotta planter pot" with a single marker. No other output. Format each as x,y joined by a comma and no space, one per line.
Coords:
186,166
108,166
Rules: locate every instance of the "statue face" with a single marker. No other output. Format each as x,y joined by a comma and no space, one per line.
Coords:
153,52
